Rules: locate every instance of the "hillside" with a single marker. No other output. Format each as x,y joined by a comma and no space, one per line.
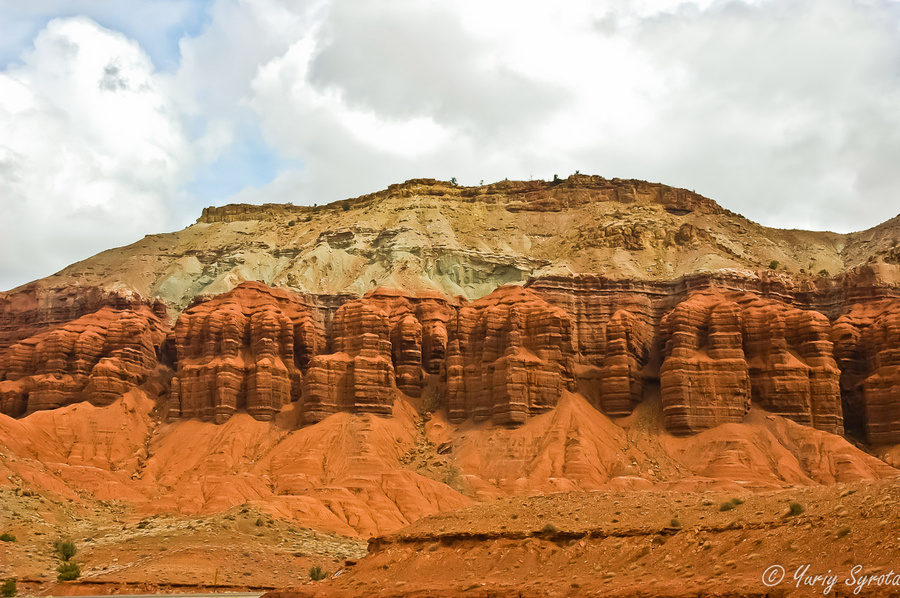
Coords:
431,235
429,354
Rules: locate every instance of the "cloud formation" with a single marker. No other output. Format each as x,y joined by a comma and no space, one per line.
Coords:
784,111
92,152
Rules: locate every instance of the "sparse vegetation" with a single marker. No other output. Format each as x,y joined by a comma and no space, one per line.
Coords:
316,573
65,549
68,571
8,589
773,265
7,538
727,506
794,509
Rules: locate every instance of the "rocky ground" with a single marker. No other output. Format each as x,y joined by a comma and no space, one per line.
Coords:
120,550
642,544
636,543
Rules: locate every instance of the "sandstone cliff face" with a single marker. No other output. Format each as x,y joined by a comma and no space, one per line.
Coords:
704,378
867,342
95,358
724,349
713,345
243,350
38,307
510,356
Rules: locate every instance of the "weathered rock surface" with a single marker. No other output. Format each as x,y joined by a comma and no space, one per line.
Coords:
243,350
510,356
713,344
867,343
704,378
724,349
38,307
95,358
431,235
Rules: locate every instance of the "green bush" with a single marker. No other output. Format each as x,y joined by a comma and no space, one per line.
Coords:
65,549
316,573
68,571
726,506
7,538
794,509
8,589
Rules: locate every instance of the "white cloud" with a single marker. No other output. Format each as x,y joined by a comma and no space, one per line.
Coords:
90,148
782,110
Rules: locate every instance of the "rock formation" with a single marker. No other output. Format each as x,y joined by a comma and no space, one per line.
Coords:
383,342
486,318
867,344
243,350
722,350
704,379
510,357
94,358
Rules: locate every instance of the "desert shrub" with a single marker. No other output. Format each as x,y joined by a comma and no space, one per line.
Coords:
68,571
316,573
65,549
726,506
549,529
794,509
674,522
843,532
8,589
7,538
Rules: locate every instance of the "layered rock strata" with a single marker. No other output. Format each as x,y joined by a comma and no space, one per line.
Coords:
712,344
724,349
96,358
867,345
243,350
704,378
510,356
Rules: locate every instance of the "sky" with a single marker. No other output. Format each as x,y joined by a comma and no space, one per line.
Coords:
122,118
